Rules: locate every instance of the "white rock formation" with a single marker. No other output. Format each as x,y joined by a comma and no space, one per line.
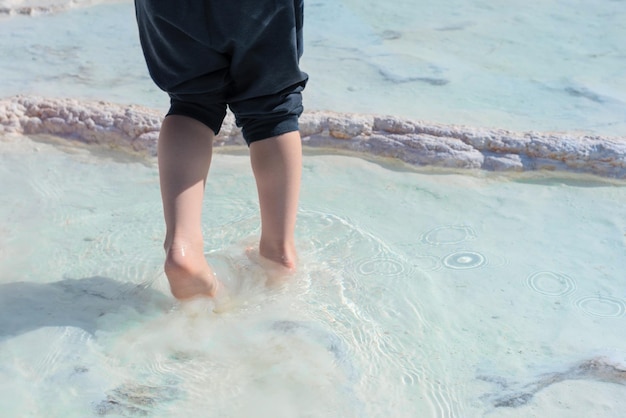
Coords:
414,142
35,7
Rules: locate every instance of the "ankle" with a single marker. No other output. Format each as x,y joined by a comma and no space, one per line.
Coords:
187,270
183,242
282,253
184,256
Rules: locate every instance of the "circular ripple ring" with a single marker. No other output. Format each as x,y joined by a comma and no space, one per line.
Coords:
449,234
382,266
464,260
550,283
603,306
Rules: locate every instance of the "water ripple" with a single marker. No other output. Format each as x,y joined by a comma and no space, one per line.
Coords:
464,260
551,283
381,266
602,306
449,235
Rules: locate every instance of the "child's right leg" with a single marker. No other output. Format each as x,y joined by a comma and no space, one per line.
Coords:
277,166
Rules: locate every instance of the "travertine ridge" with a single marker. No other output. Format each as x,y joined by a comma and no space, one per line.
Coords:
414,142
37,7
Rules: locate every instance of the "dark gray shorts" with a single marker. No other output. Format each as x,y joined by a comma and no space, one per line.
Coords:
209,54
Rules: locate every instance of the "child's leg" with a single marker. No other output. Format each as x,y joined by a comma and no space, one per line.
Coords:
277,166
184,155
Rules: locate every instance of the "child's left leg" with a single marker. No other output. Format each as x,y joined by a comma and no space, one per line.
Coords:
184,154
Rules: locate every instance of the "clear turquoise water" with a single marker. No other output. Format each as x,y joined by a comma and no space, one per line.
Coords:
420,293
531,65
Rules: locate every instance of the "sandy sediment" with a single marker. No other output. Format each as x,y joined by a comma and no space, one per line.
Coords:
412,141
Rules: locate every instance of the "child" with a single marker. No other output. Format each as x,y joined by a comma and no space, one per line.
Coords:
209,54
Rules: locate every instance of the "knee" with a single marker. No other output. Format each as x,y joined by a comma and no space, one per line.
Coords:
269,116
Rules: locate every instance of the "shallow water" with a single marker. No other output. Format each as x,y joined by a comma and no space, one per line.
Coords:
531,65
419,293
556,65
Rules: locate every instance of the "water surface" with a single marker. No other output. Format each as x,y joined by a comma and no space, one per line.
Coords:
419,293
520,65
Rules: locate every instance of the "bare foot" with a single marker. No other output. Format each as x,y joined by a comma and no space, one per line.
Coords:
278,272
189,274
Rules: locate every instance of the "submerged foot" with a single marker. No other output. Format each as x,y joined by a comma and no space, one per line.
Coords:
189,274
278,269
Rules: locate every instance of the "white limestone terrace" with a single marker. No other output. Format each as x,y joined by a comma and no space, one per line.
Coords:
36,7
415,142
